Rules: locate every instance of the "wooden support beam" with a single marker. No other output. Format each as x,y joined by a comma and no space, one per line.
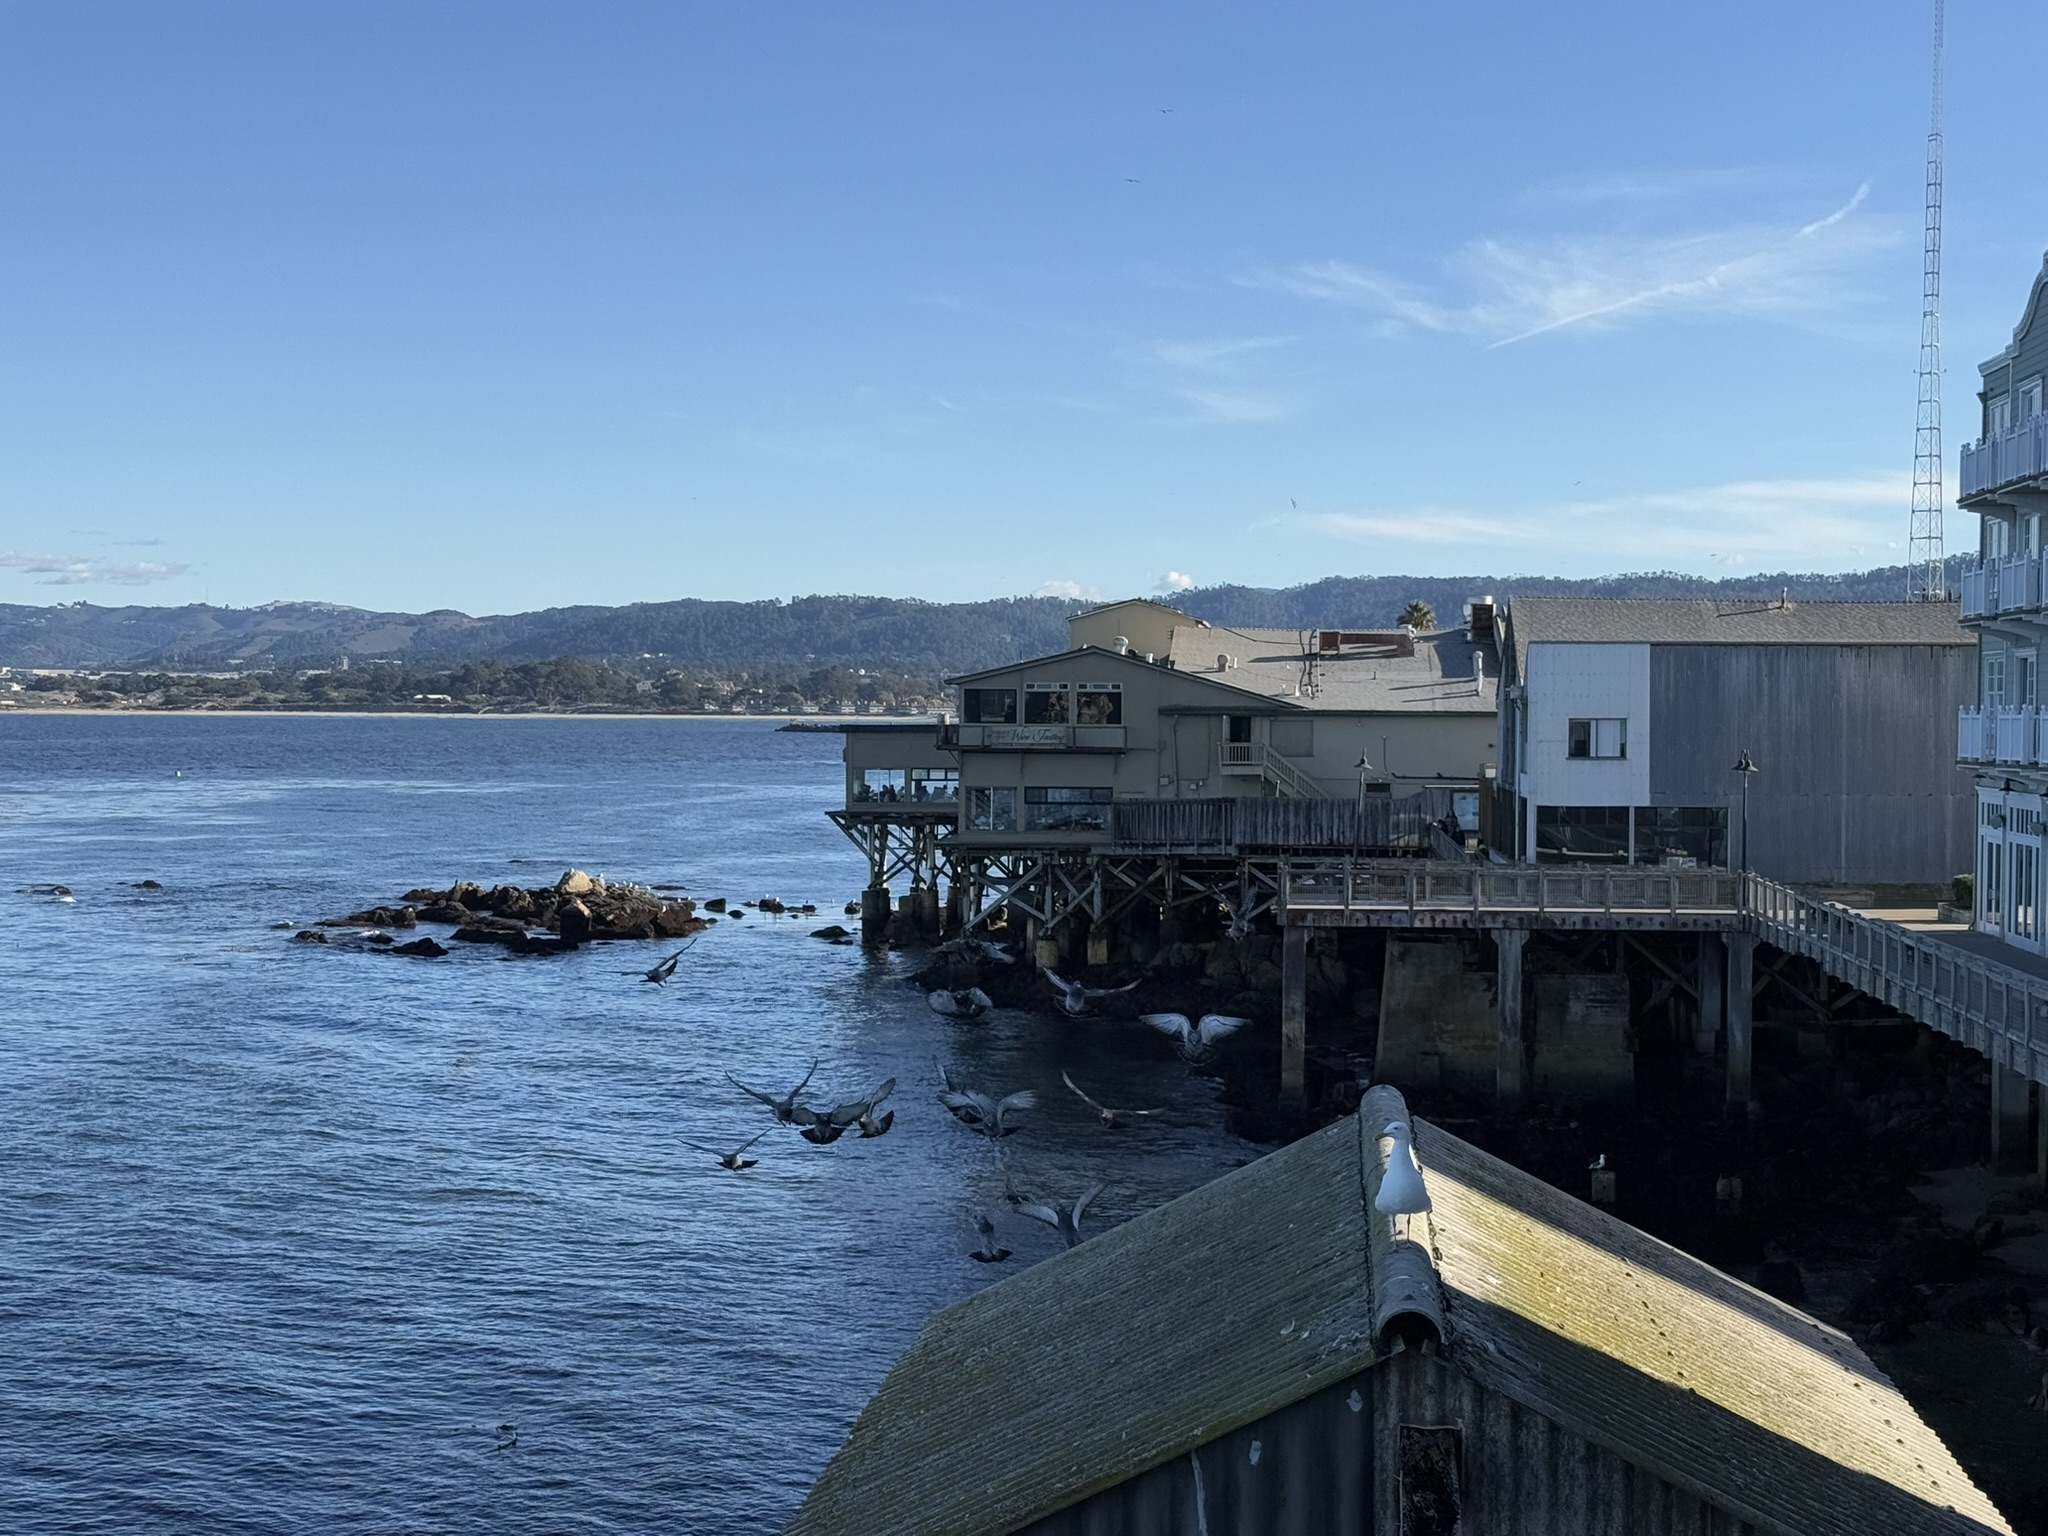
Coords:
1512,1051
1293,1016
1706,1031
1738,1001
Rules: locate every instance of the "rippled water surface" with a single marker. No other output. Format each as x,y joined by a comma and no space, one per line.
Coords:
288,1232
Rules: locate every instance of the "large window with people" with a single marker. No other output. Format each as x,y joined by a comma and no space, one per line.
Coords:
1099,704
1046,704
907,786
1067,810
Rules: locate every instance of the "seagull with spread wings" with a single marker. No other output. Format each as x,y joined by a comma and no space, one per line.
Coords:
1197,1037
1077,998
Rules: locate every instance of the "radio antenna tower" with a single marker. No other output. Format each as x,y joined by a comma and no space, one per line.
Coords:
1926,573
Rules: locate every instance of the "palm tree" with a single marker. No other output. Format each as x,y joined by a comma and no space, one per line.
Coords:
1418,615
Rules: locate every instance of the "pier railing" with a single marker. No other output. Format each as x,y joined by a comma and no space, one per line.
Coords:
1423,886
1992,1007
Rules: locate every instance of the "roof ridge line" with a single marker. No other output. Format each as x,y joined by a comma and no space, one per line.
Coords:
1400,1274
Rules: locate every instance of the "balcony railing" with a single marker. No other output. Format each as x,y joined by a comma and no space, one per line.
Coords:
2016,454
2018,736
1257,760
2004,584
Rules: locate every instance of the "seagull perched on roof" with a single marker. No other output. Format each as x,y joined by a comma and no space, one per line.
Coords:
1075,997
965,1003
1063,1219
980,1111
786,1109
988,1252
1197,1037
1402,1192
1115,1119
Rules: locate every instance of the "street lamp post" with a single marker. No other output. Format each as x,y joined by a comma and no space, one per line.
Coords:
1747,769
1358,826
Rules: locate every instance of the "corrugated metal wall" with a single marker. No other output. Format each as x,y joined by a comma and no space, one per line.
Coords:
1309,1470
1855,747
1378,824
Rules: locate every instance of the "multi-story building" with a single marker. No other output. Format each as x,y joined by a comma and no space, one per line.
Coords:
1623,720
2003,731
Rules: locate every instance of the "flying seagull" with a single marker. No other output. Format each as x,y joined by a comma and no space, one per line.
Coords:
786,1109
1063,1219
1401,1189
667,968
1197,1039
980,1111
1115,1119
1076,997
988,1252
966,1003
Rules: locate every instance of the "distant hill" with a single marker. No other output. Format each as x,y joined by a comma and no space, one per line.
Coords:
880,633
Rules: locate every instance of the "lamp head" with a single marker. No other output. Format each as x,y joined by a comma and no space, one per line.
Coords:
1743,764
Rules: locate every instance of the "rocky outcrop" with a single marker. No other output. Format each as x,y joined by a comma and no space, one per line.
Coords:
426,949
374,917
576,909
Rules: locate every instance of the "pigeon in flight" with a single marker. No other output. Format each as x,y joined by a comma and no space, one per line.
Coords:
1115,1119
982,1112
824,1129
988,1252
737,1159
966,1003
667,968
1076,997
786,1109
1063,1219
1197,1037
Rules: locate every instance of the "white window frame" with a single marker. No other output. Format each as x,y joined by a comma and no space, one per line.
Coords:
2030,399
1597,738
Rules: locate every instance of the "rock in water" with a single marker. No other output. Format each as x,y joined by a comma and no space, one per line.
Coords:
375,917
309,936
426,948
572,920
575,883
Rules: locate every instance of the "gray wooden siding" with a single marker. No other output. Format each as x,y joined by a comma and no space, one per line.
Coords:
2029,350
1325,1467
1857,779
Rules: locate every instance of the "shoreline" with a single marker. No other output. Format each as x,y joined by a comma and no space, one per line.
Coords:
444,714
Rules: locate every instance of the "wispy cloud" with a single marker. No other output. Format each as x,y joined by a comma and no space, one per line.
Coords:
1072,591
87,570
1517,290
1814,524
1224,379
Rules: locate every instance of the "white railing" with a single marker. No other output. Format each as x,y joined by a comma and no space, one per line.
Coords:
2019,583
1994,1008
2015,739
2019,453
1977,588
1973,741
1255,757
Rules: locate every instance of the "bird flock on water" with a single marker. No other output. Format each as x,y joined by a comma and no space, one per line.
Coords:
994,1116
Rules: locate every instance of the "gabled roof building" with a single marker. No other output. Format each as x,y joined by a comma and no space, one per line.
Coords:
1272,1354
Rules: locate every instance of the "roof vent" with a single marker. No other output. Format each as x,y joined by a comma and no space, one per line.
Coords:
1123,645
1478,666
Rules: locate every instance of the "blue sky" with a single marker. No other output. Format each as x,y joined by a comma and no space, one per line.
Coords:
499,306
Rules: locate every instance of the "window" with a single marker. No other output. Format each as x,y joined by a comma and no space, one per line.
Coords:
899,786
1994,678
1988,889
1575,834
1067,810
2024,857
1997,415
992,810
2023,679
1674,834
2030,400
1239,727
989,706
1045,704
1099,704
1598,738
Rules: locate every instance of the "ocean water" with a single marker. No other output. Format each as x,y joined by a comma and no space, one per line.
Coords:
288,1232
